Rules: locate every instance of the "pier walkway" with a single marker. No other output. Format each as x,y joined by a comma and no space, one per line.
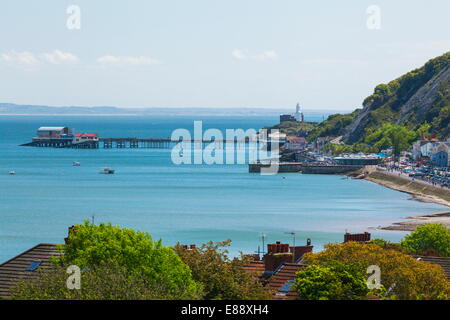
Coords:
133,143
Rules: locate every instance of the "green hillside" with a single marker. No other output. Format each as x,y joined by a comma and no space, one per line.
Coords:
422,95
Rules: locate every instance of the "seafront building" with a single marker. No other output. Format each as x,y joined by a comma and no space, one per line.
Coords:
438,152
294,143
442,155
85,137
54,133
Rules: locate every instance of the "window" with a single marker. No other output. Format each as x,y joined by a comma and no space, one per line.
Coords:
287,286
34,265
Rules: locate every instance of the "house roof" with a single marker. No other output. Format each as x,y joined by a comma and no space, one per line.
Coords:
295,139
282,281
51,128
443,262
86,134
24,266
256,268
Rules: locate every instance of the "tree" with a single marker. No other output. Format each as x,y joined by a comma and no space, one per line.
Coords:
222,277
400,272
424,131
91,246
105,282
428,236
332,281
389,135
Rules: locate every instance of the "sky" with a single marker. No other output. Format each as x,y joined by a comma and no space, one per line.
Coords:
325,54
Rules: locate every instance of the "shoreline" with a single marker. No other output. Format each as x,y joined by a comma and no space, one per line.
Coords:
419,192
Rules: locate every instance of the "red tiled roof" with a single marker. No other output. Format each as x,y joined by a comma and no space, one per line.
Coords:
283,276
93,135
16,268
255,268
295,139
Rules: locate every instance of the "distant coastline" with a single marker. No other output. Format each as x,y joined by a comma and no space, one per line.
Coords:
10,109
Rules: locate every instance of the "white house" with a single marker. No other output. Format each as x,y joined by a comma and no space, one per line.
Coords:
427,149
84,137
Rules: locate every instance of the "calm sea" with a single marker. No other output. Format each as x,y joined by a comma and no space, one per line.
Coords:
188,204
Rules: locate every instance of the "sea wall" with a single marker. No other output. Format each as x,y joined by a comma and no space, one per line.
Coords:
330,169
282,167
285,167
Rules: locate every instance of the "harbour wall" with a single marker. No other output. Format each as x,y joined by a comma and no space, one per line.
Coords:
282,167
341,169
306,169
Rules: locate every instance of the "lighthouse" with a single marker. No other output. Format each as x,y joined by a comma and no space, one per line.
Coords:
298,113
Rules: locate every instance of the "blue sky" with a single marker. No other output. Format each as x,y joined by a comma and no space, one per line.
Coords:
210,53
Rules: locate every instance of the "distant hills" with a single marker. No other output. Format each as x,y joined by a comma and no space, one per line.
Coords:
15,109
421,95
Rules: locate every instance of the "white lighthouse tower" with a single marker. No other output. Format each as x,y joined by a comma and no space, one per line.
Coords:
298,113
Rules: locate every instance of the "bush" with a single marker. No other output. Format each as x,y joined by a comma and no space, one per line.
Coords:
105,282
92,246
400,272
334,281
222,278
432,236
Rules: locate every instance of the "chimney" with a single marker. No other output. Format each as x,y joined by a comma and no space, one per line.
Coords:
299,251
359,237
71,230
277,254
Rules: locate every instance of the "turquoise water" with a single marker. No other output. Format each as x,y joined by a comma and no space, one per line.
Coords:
187,204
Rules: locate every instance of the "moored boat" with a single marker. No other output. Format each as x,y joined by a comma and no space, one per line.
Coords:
107,171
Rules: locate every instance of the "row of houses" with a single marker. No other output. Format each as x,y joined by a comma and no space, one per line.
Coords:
438,152
276,269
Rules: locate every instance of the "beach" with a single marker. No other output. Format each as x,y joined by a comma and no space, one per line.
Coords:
420,191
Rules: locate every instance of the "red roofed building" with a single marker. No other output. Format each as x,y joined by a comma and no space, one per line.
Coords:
295,143
277,270
85,137
283,280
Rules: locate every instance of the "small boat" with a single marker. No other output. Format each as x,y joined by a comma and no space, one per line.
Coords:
107,171
12,172
76,164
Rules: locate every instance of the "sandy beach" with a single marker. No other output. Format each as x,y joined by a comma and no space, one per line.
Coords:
420,191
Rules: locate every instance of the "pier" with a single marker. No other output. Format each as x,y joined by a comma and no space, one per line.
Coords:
129,143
